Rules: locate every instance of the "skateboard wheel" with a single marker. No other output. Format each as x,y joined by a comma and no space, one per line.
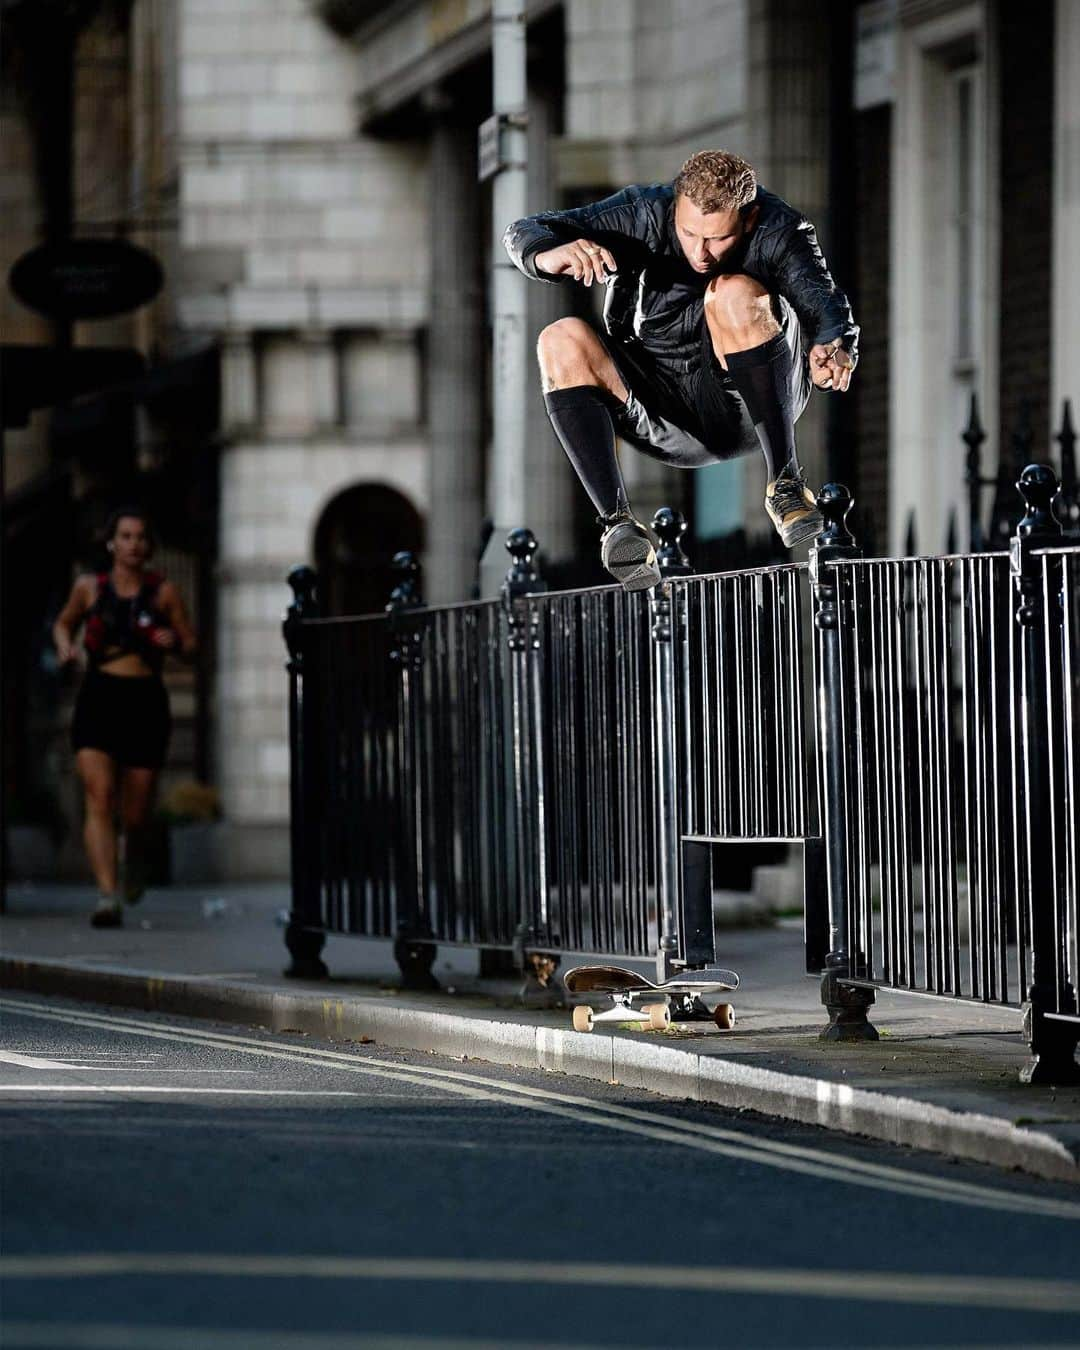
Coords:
659,1016
724,1016
583,1017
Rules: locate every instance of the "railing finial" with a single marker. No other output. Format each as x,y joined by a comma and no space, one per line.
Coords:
973,437
523,578
406,594
669,526
834,501
1038,485
302,581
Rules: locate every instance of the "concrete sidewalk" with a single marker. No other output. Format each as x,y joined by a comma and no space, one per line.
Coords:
942,1077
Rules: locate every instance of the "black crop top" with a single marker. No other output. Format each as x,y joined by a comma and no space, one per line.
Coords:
117,626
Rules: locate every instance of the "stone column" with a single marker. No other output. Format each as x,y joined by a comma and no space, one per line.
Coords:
322,358
1065,287
239,381
455,363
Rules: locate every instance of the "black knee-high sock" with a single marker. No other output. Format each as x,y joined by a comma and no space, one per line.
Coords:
583,424
762,376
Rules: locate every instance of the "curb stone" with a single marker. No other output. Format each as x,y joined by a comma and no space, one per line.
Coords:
668,1071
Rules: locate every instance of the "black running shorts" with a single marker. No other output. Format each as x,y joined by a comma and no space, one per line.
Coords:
699,418
124,716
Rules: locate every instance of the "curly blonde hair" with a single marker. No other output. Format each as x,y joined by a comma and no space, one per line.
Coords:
717,180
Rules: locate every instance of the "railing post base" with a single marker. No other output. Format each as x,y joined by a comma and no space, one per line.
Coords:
847,1006
415,957
304,946
541,987
1053,1045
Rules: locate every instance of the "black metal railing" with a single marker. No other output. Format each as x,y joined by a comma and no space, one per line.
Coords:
551,772
949,751
994,533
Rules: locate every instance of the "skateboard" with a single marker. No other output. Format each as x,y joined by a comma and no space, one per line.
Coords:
637,999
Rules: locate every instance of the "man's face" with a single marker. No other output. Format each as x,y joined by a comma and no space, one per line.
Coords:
709,239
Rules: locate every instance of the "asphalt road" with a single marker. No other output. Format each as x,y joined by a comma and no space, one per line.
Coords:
185,1184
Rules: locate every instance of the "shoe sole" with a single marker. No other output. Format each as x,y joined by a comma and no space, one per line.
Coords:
803,531
632,562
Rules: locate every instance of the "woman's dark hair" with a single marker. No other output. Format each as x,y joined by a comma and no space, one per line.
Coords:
123,513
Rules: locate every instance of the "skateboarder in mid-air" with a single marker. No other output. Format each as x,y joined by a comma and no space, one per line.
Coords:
720,314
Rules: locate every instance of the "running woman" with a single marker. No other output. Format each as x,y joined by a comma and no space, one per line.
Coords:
720,318
131,618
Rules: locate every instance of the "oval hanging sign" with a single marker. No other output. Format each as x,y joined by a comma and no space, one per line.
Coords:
86,278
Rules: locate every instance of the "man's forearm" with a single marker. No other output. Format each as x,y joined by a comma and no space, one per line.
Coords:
524,241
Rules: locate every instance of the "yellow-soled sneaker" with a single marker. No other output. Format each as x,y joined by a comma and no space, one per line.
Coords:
628,553
791,508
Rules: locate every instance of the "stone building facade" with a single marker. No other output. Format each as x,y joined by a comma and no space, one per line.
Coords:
307,171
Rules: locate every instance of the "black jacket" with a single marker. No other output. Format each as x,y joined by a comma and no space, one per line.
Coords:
658,297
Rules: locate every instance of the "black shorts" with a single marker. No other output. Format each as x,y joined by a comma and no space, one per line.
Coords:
697,418
125,716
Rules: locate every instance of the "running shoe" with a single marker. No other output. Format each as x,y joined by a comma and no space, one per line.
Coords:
108,914
791,507
628,552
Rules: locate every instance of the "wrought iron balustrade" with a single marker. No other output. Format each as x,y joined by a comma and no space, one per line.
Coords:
551,772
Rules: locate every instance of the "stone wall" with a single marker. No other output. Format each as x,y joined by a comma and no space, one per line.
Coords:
305,251
271,498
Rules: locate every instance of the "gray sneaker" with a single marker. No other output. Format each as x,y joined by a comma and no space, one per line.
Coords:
108,914
628,552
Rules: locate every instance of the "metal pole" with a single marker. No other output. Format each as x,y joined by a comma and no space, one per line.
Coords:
413,949
303,936
846,1004
1039,614
510,355
664,606
533,937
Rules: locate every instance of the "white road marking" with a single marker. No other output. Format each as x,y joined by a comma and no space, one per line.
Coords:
888,1286
225,975
30,1061
83,1063
140,1088
631,1120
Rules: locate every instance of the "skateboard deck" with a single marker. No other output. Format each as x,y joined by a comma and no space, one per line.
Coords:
635,998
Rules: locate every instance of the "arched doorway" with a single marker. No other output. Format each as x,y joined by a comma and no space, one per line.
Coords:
357,534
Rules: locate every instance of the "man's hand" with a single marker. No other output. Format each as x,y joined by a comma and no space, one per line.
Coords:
584,260
830,366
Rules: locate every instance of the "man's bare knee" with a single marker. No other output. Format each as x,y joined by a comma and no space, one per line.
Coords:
738,300
570,354
739,312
